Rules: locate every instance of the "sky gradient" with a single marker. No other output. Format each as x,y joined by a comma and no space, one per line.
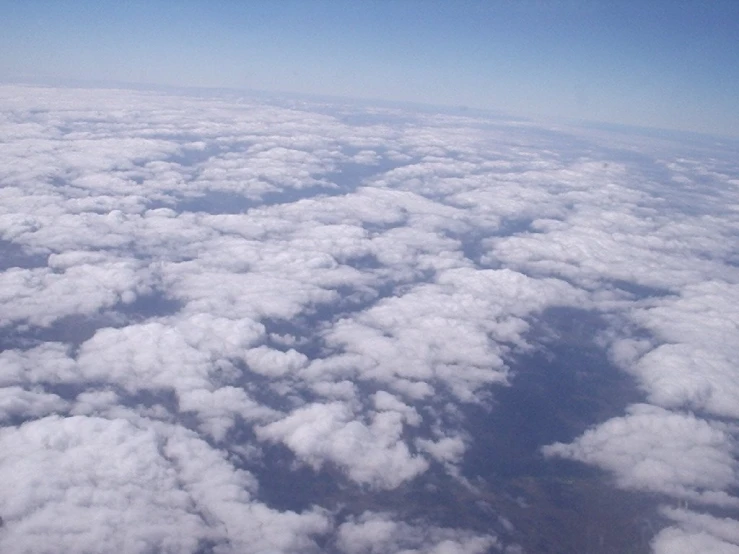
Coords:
668,64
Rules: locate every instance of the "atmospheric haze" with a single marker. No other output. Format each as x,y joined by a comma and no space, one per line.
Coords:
667,64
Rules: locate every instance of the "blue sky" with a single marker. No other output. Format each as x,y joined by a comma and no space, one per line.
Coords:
670,64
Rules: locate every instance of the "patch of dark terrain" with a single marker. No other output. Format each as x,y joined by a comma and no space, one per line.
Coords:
142,398
638,290
560,515
304,333
473,242
346,178
157,402
214,203
300,333
72,329
219,202
75,329
508,487
14,255
355,299
269,391
558,391
211,546
155,304
192,157
287,484
351,175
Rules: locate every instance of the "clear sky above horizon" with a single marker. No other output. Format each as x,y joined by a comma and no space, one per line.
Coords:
667,64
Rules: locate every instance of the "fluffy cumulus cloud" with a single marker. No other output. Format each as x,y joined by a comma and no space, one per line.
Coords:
371,453
698,533
90,484
654,449
378,532
693,365
247,325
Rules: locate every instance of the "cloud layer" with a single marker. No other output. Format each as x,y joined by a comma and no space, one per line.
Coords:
194,282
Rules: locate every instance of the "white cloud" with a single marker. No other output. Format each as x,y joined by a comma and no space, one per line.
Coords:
372,533
385,401
21,403
270,362
40,296
371,453
330,278
453,332
657,450
217,409
722,534
695,367
61,475
447,450
49,362
89,484
677,541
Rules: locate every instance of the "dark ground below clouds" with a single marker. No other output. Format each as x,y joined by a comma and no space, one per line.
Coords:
545,505
558,390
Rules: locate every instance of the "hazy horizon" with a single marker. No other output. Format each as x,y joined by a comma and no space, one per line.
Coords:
659,64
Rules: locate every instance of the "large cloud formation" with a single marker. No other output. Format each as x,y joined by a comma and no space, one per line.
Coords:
192,284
